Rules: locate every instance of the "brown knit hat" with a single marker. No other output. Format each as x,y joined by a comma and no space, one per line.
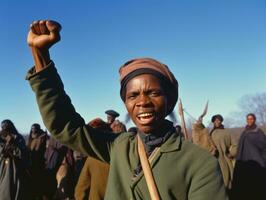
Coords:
140,66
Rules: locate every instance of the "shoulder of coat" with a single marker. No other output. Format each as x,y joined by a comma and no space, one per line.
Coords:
125,137
195,151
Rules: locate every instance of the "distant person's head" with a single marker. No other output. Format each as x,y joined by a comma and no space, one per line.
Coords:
251,119
133,130
118,127
99,124
217,120
35,128
111,116
149,91
8,126
178,128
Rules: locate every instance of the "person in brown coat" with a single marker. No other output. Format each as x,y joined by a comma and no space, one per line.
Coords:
92,180
222,140
94,175
115,125
201,137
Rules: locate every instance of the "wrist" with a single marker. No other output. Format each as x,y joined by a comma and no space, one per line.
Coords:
41,58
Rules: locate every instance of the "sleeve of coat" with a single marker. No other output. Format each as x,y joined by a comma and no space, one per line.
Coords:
207,182
61,119
233,147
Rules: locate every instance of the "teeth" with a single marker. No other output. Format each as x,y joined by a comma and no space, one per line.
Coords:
145,115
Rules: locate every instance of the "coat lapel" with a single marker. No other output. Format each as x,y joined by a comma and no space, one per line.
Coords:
172,144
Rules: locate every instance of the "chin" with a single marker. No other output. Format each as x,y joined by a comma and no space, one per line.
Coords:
146,129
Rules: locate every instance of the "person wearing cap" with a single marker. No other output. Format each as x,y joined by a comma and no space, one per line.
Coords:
225,147
179,169
115,125
93,178
111,116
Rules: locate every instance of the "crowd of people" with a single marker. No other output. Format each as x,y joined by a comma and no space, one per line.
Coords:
36,166
150,161
242,163
42,168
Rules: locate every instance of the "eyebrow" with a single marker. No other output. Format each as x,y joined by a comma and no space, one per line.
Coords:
157,89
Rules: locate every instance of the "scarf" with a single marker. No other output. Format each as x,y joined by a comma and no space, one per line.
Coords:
151,141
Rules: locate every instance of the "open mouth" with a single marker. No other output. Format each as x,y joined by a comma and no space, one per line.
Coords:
146,118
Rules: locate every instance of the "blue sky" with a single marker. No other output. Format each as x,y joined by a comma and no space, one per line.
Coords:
216,49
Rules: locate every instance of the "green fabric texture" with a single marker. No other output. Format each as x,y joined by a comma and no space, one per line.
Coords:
181,170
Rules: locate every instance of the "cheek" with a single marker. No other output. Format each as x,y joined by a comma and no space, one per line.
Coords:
129,107
163,106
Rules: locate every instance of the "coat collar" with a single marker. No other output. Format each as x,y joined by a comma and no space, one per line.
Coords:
172,144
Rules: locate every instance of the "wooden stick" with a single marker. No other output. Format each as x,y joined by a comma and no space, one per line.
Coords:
182,119
154,194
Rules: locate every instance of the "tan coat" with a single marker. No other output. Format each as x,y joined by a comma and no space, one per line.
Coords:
222,141
92,180
201,137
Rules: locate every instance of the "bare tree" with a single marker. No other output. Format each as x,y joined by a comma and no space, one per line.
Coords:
254,104
235,119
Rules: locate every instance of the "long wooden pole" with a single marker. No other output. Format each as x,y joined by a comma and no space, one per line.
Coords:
182,118
154,194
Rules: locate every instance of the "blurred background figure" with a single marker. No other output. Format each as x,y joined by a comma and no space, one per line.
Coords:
221,138
65,177
133,130
111,116
54,156
115,125
13,163
250,171
79,163
94,175
37,147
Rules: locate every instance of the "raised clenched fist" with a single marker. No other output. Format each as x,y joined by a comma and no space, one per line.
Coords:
43,34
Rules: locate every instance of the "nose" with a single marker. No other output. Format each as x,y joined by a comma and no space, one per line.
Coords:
143,101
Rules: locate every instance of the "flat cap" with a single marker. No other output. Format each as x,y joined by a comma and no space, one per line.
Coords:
112,113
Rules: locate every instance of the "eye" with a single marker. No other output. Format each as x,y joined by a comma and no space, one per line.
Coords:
132,95
155,93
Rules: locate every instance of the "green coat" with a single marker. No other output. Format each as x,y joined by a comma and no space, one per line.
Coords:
181,170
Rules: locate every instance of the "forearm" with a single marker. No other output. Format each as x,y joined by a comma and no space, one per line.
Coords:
41,58
61,119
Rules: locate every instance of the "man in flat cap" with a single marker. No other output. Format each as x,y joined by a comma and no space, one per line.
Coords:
115,125
111,116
